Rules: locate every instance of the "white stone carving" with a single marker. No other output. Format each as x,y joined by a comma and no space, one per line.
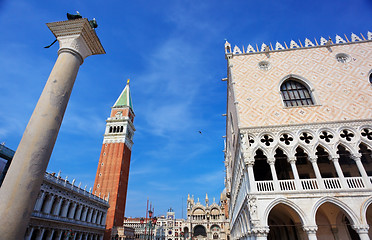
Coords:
323,41
264,47
278,46
237,50
355,38
250,49
309,43
339,39
293,44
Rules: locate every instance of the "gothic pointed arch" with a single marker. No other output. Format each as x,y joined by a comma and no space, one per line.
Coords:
347,163
261,167
366,157
304,166
343,206
365,207
284,150
282,166
326,149
291,205
326,167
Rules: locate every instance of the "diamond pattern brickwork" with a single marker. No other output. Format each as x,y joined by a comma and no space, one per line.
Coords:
342,90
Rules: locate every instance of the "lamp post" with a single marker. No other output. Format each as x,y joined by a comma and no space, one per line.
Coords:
150,225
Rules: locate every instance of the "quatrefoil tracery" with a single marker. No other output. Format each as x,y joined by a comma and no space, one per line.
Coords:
250,140
286,138
326,136
367,133
306,137
347,135
267,140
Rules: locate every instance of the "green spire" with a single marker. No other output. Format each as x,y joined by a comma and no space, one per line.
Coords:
125,99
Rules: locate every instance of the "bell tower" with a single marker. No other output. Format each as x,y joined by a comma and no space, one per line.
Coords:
113,166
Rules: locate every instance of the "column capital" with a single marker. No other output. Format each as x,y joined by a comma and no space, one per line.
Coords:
77,36
360,229
333,158
292,160
356,156
271,161
261,231
310,229
313,159
249,162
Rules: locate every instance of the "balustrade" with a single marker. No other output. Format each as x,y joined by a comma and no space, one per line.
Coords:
312,184
265,186
309,184
287,185
355,182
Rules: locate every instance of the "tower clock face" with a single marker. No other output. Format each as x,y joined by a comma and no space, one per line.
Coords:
170,232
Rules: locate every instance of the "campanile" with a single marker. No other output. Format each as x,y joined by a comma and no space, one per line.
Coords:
113,166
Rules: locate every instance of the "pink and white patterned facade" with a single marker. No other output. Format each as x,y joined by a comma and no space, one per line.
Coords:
291,170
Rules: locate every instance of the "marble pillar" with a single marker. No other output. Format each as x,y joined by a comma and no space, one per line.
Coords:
22,183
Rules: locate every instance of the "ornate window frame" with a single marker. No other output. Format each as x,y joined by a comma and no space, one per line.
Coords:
306,83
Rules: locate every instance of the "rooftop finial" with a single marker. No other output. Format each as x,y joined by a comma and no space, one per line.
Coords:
128,81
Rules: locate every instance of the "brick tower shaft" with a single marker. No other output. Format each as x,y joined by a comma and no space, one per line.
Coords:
114,162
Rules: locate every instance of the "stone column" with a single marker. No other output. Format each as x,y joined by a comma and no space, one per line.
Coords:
29,233
41,234
340,174
84,214
317,172
59,234
103,220
251,180
39,201
65,208
271,162
72,211
50,235
99,216
58,207
94,218
292,161
49,205
78,212
311,232
90,213
22,183
361,169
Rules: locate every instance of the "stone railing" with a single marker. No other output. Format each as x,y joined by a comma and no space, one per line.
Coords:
311,184
63,182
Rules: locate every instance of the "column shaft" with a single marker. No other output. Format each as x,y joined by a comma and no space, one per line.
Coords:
317,173
275,177
363,172
295,174
340,174
22,183
252,181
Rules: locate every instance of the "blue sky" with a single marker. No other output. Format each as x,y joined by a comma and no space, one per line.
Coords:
173,53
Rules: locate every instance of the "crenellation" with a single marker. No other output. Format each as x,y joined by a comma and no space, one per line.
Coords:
338,40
